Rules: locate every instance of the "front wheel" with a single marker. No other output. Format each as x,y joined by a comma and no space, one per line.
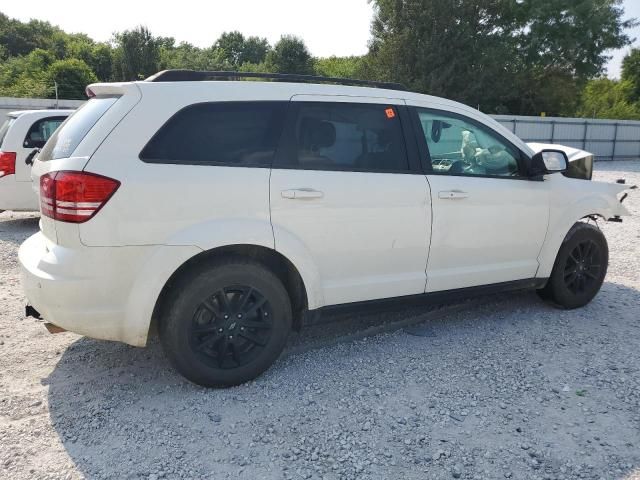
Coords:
579,269
226,323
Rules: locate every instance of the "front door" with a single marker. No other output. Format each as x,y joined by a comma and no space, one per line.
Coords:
342,186
489,219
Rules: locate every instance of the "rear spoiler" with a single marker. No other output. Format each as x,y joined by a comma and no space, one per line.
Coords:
111,89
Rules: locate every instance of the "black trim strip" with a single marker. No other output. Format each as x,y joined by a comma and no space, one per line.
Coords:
431,298
195,76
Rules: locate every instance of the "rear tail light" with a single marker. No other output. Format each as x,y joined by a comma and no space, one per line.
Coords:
7,163
74,197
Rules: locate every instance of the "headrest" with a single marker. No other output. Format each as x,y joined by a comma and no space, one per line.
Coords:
316,133
385,137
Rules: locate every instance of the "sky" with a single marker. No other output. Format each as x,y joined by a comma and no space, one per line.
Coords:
328,27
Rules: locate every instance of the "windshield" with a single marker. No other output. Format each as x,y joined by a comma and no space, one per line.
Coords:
5,128
69,135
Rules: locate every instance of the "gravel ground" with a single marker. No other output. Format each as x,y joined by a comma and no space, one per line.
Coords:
499,387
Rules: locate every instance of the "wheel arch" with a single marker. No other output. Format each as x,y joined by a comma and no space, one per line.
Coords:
270,258
560,229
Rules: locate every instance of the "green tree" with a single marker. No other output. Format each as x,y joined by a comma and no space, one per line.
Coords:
499,54
236,50
101,61
230,45
290,55
631,72
25,76
605,98
20,38
255,50
573,36
344,67
72,77
137,54
451,48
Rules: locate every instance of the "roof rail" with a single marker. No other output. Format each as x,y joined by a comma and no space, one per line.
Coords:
195,76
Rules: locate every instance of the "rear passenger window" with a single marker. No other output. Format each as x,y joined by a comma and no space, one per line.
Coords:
227,133
345,136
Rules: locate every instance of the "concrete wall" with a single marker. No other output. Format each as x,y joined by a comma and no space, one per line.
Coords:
9,104
606,139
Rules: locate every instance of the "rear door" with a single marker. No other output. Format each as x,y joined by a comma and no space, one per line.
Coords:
347,187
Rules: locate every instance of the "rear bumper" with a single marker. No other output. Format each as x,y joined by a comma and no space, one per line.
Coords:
79,290
17,196
101,292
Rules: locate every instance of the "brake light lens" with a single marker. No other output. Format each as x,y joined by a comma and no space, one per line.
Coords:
7,163
74,197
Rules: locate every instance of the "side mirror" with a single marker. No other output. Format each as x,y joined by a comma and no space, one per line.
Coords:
548,161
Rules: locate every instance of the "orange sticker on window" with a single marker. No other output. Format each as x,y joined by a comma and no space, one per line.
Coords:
390,112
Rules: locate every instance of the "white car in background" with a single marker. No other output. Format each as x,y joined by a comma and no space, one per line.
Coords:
22,135
227,210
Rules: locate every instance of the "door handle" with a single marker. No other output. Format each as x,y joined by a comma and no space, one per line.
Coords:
32,154
301,194
453,195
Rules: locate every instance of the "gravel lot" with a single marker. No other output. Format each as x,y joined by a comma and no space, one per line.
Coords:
499,387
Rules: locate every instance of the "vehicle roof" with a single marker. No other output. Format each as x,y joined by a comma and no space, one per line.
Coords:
238,90
19,113
301,88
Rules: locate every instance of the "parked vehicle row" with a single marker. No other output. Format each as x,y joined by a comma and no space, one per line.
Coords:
225,211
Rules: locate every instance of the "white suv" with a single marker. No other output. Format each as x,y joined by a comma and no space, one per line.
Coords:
224,210
22,134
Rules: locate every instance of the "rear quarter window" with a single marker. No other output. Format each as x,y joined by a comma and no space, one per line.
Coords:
221,133
69,135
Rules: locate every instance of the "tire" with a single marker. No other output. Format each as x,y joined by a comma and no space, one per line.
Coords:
579,269
225,323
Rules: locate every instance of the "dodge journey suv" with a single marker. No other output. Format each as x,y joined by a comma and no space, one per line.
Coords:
223,211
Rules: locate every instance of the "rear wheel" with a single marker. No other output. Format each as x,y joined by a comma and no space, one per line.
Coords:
227,323
579,269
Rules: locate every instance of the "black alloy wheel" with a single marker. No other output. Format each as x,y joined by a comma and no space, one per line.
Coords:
579,268
582,268
225,321
231,327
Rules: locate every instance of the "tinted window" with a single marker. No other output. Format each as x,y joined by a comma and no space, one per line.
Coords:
66,138
345,136
5,128
461,147
41,131
228,133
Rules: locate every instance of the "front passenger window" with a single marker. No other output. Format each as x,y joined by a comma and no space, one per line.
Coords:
460,147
